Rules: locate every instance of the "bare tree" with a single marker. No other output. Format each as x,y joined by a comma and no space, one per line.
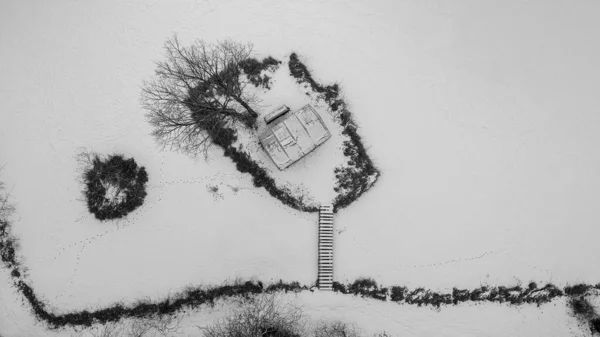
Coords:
154,326
197,92
107,330
335,329
260,316
164,325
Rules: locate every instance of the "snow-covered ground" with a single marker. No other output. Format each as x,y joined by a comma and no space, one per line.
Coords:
481,116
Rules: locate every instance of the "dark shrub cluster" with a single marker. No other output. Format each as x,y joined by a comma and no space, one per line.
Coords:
190,299
398,293
583,310
366,287
581,306
253,68
595,325
114,186
8,250
7,246
299,71
578,289
359,174
421,296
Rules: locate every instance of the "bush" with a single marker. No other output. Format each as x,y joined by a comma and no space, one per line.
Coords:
339,287
253,69
578,289
398,294
114,186
581,307
595,325
264,315
584,311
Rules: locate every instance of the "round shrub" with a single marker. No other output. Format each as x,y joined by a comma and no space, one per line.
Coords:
114,186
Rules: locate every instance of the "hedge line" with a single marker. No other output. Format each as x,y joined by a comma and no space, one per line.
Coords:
190,299
368,288
193,298
359,174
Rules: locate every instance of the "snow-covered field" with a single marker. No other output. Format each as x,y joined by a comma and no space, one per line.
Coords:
481,116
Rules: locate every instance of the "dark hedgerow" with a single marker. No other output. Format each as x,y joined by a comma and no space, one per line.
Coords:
420,296
260,178
367,287
195,297
114,186
359,174
578,289
398,293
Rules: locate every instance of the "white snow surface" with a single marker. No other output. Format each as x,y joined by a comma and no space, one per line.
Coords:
482,117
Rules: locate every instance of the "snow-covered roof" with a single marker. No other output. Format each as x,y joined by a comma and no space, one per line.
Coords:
291,136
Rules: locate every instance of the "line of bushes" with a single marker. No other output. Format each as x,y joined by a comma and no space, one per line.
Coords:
8,250
301,73
359,174
189,299
364,287
584,311
532,294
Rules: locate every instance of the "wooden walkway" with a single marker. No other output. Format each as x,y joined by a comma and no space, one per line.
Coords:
325,270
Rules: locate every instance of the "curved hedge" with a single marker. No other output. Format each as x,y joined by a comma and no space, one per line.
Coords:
359,174
193,298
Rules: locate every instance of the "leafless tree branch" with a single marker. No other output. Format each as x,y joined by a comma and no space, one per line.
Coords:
263,315
196,91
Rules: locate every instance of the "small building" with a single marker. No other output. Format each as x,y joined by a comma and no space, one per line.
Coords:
290,136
